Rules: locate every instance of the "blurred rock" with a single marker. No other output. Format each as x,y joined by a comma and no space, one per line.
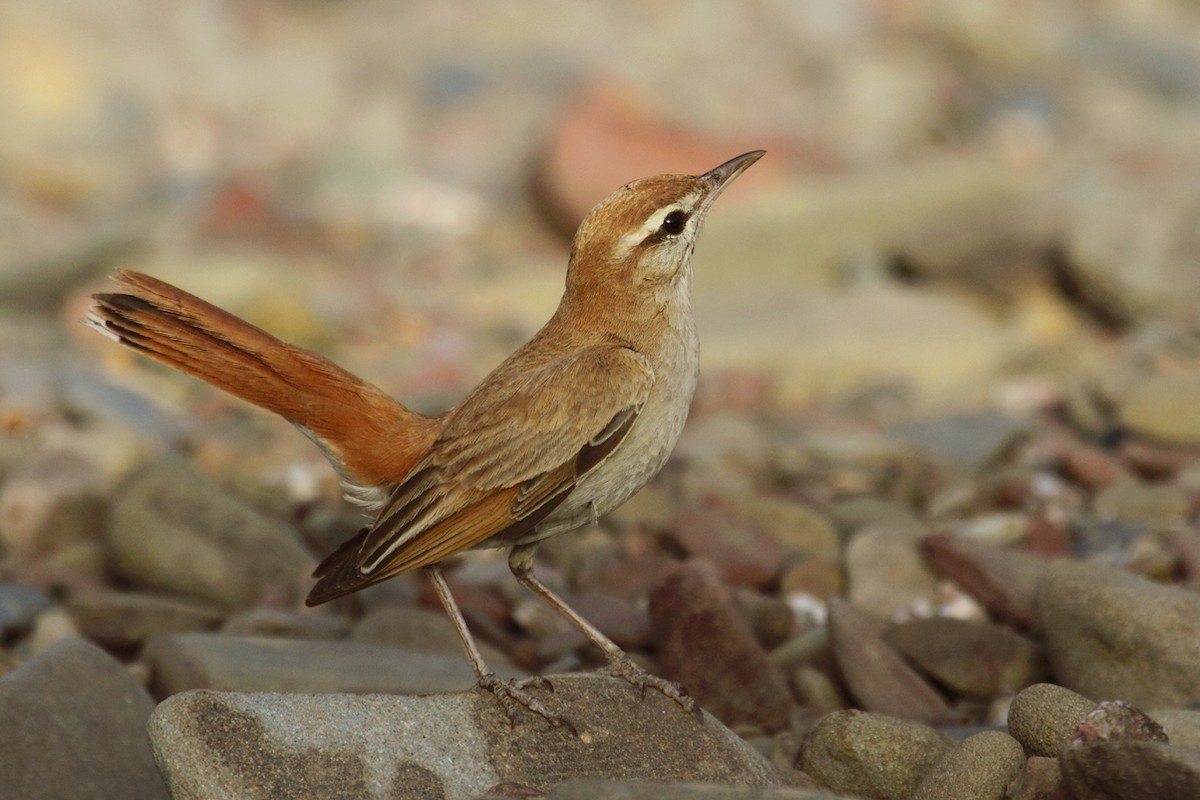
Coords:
1045,717
215,661
1039,779
120,620
610,789
871,755
1110,634
770,617
874,673
967,440
1116,720
1003,581
885,573
75,727
976,659
1164,407
19,607
1144,505
301,746
417,628
739,546
979,767
705,644
1130,770
1182,725
277,624
55,499
174,530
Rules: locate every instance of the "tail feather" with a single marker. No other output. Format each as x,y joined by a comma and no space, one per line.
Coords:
371,438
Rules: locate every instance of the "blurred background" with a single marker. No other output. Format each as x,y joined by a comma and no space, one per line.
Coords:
976,228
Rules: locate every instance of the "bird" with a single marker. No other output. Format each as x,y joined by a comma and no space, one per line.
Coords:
564,430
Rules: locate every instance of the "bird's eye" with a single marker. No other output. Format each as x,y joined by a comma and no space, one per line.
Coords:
672,224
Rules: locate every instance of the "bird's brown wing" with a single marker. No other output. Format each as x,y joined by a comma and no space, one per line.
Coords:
508,455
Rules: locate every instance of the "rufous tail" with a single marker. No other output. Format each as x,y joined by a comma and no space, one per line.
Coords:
372,439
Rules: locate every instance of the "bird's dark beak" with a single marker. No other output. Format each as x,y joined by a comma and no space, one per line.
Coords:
722,176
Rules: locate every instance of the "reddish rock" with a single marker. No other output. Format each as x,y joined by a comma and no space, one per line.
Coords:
609,136
744,552
706,644
1004,581
875,673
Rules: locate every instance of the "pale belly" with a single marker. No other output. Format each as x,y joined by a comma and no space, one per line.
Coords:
646,448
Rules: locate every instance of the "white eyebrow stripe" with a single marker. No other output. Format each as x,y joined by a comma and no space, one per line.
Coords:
652,223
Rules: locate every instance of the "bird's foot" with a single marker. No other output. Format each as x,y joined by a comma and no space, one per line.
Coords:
621,666
513,693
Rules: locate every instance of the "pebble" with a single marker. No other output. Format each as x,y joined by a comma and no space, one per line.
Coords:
885,574
975,659
1114,635
55,499
737,544
1044,717
1003,581
121,620
456,746
978,768
1131,770
75,728
1039,779
971,440
705,644
172,529
875,674
418,628
1164,407
871,755
216,661
19,607
1152,506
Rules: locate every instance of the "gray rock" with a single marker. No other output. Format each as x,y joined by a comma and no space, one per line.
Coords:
1131,770
874,673
75,727
1044,717
20,606
175,530
454,746
607,789
216,661
977,659
1113,635
858,753
1144,506
417,628
978,768
127,619
277,623
706,644
971,440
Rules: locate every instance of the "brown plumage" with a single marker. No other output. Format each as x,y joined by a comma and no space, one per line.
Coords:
564,430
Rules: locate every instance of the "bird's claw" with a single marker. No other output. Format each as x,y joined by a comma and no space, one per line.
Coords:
622,667
513,693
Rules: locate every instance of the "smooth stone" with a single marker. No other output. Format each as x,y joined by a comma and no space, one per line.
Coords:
978,768
127,619
1044,717
1113,635
972,440
216,661
175,530
1131,770
739,546
885,573
705,643
874,673
20,606
977,659
55,499
1039,779
75,727
418,628
1164,407
454,746
1147,506
280,624
610,789
872,755
1182,725
1003,581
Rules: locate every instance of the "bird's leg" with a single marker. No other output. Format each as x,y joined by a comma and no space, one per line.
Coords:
520,561
509,692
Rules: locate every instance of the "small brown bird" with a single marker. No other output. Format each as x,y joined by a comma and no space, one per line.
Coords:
565,430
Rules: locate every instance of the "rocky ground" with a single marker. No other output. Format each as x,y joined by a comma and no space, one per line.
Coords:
931,532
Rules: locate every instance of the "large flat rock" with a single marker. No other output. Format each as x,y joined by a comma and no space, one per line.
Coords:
223,745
